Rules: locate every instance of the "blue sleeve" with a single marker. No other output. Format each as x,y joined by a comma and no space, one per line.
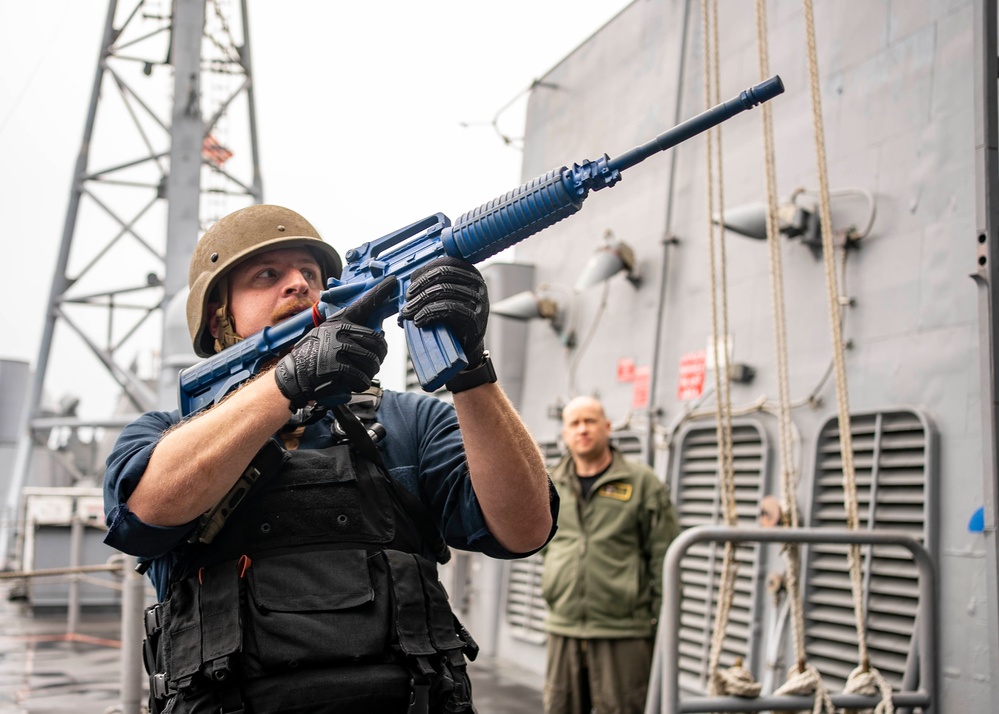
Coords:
423,450
125,466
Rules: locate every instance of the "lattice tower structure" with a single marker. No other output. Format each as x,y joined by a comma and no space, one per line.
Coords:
169,146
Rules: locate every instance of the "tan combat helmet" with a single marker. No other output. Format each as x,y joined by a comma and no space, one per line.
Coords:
234,238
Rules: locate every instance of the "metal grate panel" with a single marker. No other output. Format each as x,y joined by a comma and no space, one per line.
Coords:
628,443
551,451
892,459
525,607
697,496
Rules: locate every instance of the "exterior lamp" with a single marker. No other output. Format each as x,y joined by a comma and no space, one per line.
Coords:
531,305
799,218
751,220
527,305
609,260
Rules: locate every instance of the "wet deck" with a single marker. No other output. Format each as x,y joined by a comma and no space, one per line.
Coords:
45,671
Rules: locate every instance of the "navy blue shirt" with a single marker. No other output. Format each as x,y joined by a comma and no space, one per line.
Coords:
422,450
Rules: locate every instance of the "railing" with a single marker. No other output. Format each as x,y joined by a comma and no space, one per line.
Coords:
132,604
664,685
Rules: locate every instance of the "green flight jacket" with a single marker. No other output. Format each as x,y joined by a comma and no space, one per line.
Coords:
603,569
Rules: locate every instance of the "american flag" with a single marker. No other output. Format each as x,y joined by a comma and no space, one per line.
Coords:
213,152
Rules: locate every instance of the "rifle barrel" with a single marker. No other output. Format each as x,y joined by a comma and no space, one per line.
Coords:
707,119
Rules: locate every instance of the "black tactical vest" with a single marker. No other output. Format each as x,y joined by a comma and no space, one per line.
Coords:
313,598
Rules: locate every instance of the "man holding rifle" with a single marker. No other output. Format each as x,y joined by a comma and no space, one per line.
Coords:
294,547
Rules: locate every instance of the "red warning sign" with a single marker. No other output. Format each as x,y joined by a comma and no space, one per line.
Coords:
626,369
640,391
692,368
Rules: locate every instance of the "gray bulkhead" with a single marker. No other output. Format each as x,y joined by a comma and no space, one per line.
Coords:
898,112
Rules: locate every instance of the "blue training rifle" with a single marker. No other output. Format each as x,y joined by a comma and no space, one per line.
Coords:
475,236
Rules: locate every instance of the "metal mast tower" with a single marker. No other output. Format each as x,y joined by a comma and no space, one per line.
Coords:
164,154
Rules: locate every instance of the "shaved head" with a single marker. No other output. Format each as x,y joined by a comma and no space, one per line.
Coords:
583,402
586,432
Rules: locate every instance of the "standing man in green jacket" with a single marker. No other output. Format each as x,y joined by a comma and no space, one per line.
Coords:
603,571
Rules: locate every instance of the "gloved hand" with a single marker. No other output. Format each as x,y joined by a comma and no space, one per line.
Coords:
340,356
452,292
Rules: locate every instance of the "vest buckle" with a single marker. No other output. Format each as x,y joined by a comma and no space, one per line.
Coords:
218,670
159,687
152,619
419,697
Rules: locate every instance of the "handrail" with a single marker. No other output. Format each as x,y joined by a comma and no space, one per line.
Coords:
664,690
69,570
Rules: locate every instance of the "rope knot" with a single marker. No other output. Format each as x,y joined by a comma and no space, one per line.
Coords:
868,680
804,682
736,681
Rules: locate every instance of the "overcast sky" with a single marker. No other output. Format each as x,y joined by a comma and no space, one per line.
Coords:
360,109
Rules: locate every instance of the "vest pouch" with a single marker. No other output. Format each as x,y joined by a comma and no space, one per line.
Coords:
315,608
200,626
349,689
322,495
181,639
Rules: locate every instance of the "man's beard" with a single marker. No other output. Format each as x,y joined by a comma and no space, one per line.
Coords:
291,308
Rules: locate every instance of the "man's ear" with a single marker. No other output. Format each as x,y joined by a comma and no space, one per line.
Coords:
213,319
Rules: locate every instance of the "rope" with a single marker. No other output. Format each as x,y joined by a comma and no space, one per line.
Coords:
719,682
870,682
737,681
805,682
789,478
717,274
828,254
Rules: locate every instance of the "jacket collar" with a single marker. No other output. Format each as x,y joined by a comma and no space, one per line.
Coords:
566,468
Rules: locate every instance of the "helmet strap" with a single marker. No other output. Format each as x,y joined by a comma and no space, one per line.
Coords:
227,336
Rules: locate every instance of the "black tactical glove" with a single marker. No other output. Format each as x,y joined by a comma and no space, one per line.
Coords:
340,356
452,292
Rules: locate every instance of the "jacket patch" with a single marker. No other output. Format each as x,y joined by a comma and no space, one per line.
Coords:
617,491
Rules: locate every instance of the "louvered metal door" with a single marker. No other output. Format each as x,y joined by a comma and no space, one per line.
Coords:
697,496
893,459
525,607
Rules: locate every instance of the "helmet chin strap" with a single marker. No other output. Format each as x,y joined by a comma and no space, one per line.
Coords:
227,336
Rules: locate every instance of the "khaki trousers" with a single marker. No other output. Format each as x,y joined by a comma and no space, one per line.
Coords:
600,676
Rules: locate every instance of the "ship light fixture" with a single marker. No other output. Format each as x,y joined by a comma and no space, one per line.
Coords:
528,305
540,304
614,257
799,218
